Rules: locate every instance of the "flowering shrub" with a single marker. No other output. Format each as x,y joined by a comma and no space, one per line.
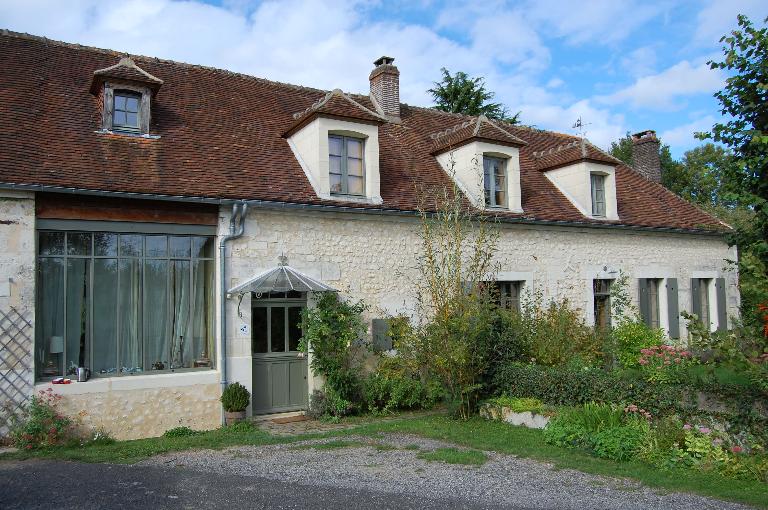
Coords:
633,410
664,363
41,424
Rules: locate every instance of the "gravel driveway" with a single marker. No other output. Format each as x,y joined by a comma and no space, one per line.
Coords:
389,463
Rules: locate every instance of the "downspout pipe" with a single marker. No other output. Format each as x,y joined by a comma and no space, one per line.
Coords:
236,229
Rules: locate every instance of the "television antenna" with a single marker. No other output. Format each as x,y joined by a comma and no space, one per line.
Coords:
580,126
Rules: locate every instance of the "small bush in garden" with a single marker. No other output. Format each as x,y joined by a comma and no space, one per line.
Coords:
518,405
620,442
180,432
386,392
665,363
630,337
328,405
40,424
235,398
101,437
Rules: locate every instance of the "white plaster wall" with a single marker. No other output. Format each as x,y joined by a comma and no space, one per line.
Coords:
310,146
17,286
374,258
465,165
574,182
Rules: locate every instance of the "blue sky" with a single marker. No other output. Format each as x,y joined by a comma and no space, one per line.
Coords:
620,65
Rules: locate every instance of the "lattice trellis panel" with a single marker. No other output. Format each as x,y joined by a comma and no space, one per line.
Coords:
16,377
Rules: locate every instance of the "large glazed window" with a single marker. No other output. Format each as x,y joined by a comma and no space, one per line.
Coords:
495,182
124,303
345,158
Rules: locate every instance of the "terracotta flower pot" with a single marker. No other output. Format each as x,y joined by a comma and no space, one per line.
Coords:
234,416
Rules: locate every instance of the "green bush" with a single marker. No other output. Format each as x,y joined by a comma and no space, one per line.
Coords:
40,424
386,392
330,329
235,398
620,442
180,432
328,405
517,405
630,336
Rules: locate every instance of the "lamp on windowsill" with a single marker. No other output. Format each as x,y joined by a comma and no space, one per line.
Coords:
55,346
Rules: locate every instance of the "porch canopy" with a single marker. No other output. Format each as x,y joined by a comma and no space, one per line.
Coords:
282,278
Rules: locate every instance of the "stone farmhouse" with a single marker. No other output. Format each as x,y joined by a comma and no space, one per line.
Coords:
163,225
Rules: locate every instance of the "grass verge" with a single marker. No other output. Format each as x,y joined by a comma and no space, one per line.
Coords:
500,437
455,456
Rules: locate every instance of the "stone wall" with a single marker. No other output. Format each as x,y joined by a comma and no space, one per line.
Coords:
17,294
142,406
374,258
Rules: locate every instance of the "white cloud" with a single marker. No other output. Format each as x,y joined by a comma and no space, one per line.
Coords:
601,126
599,21
661,91
682,136
639,62
718,18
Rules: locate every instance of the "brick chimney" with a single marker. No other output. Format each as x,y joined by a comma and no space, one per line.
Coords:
385,87
645,155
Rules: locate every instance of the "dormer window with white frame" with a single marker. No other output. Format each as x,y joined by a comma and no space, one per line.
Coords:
597,184
495,181
346,165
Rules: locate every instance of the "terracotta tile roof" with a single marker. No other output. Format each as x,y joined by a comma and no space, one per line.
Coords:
125,70
475,128
572,152
335,104
221,137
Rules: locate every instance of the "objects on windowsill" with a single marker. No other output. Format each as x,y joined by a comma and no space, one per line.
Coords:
50,369
202,362
61,380
158,365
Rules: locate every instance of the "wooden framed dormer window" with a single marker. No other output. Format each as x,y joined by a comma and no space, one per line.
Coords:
126,108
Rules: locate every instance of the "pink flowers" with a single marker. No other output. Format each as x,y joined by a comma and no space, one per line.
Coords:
736,449
705,430
687,426
633,409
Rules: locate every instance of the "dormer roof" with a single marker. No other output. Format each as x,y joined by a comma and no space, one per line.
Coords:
476,128
572,152
335,104
125,70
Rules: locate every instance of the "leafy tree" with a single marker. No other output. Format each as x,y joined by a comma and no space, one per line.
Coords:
744,103
459,93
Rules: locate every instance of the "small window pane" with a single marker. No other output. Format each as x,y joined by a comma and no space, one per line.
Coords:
355,185
202,247
120,103
51,243
131,245
105,245
132,104
335,183
157,246
79,243
501,198
132,119
355,167
259,329
354,148
294,328
119,118
335,164
334,145
277,329
179,246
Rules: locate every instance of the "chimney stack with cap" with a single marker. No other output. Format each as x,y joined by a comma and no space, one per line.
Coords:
385,87
645,155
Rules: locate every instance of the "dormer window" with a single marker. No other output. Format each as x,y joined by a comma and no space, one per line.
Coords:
598,194
495,181
346,169
125,115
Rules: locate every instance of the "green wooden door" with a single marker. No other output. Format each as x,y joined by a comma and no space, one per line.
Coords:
279,371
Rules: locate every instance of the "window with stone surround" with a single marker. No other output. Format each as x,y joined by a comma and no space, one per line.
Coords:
124,303
597,182
495,181
507,293
601,292
346,169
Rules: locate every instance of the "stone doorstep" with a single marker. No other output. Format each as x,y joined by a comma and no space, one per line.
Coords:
269,417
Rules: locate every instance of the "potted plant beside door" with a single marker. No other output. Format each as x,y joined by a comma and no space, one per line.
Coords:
235,399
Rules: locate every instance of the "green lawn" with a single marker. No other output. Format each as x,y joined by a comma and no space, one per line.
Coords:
477,434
